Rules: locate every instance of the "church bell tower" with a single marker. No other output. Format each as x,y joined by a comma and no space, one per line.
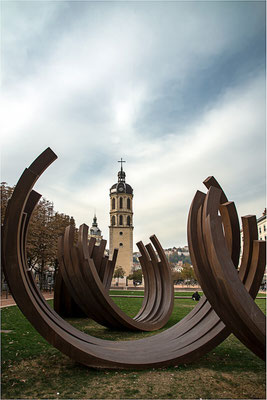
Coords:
121,222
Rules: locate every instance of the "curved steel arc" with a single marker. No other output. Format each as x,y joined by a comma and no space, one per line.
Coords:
85,285
237,308
230,221
190,338
64,292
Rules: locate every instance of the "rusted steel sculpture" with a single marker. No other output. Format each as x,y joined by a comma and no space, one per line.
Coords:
214,248
64,303
84,275
217,274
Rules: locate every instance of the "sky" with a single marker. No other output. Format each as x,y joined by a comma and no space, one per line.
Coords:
177,89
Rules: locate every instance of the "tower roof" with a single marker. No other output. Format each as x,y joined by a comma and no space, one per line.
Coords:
94,221
94,230
121,186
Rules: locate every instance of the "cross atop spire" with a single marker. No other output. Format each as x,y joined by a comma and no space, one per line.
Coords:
121,161
121,173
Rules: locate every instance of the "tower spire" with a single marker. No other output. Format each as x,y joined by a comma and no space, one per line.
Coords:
94,221
121,173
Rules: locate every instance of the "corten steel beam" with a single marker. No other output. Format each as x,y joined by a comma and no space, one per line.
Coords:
64,303
82,276
216,272
199,332
236,308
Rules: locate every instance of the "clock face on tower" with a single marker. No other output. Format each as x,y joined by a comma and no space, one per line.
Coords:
120,187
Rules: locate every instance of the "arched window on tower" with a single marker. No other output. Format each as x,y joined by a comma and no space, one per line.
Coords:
121,220
113,204
121,202
113,220
128,204
128,220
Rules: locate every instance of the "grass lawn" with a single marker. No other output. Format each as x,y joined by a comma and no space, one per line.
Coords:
31,368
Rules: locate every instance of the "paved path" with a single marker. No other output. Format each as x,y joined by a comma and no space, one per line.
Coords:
8,302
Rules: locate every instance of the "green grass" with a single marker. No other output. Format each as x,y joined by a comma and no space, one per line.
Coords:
31,368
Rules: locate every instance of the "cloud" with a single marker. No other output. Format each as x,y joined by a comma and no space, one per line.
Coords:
175,88
227,142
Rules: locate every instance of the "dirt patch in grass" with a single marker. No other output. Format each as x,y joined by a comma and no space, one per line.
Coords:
176,384
57,376
42,377
197,383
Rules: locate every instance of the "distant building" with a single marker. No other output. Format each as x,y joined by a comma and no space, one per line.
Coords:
262,231
262,228
95,231
178,267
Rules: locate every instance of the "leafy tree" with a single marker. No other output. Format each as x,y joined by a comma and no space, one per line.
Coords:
6,193
173,258
136,275
188,272
187,260
44,228
176,275
119,273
